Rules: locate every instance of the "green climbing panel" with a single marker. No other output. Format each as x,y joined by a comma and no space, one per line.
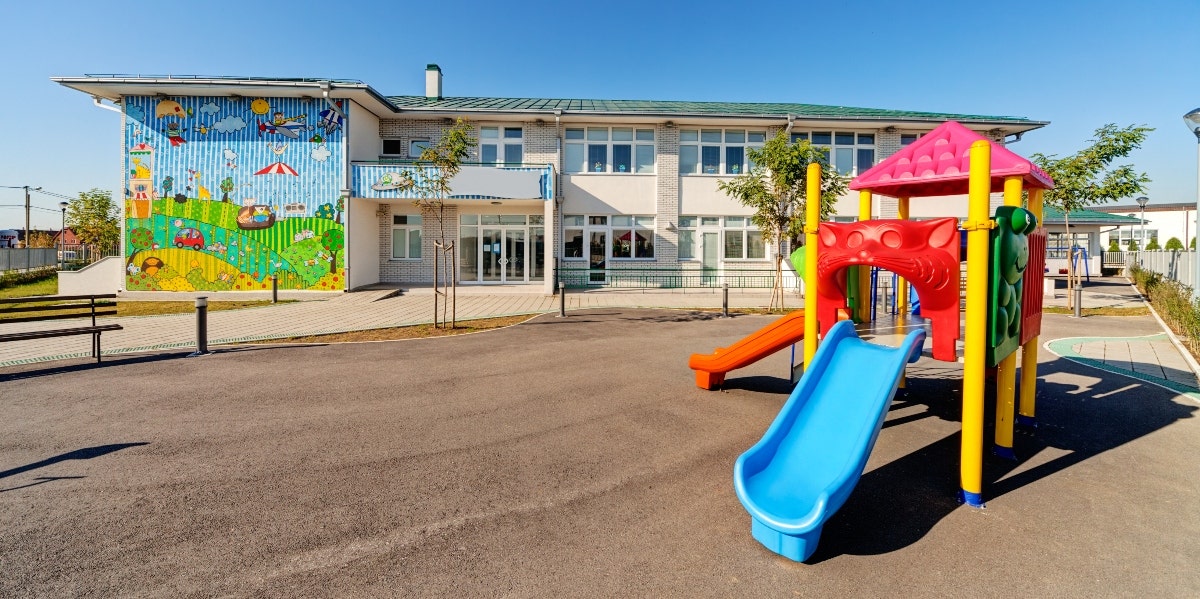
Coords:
1010,255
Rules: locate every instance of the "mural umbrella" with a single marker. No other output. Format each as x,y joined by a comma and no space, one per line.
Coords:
278,168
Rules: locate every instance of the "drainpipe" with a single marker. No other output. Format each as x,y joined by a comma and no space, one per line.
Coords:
791,123
98,103
346,179
558,197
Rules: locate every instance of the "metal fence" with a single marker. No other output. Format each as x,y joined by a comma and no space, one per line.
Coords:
667,278
70,257
27,258
1175,265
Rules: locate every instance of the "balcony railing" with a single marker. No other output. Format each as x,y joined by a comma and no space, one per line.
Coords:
406,180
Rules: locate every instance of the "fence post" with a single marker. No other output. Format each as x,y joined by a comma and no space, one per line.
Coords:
201,327
562,299
725,300
274,289
1078,300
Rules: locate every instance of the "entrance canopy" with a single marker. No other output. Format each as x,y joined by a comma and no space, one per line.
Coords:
938,164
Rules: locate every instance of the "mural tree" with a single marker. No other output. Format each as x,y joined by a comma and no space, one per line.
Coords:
226,188
333,240
140,238
439,164
340,207
325,211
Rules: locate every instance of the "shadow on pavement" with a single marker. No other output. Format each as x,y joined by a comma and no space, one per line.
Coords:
86,453
40,369
898,503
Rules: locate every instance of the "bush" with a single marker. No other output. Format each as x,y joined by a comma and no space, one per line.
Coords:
1133,245
1174,244
1153,245
1113,246
13,278
1174,304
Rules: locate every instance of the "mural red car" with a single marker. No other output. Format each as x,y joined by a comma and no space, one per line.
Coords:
189,237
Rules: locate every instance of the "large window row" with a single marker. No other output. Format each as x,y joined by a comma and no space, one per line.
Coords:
717,151
618,236
608,150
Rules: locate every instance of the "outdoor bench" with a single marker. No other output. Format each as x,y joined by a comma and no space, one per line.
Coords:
59,307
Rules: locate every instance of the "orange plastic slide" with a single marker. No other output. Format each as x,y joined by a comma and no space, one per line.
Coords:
710,369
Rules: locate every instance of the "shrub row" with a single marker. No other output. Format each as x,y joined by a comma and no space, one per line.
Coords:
1174,304
12,278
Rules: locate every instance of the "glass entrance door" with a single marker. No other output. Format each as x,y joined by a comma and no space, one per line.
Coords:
708,262
597,254
513,260
503,255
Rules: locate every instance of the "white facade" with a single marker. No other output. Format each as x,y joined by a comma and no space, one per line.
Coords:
1163,221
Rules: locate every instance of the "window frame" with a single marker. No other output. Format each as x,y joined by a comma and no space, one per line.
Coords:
501,143
586,143
723,169
384,144
588,223
698,226
408,227
830,150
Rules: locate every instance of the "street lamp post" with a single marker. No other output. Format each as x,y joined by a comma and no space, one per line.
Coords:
62,238
1142,201
1192,120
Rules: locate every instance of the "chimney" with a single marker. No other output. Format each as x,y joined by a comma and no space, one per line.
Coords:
433,82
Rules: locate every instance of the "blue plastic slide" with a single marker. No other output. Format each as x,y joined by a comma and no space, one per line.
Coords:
807,463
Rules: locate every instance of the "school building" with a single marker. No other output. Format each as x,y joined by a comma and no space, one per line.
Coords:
230,181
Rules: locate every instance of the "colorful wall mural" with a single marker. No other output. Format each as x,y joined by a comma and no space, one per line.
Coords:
224,192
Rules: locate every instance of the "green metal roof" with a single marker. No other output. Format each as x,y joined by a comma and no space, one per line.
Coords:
1088,217
684,108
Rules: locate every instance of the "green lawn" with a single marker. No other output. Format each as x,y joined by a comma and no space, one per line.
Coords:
49,286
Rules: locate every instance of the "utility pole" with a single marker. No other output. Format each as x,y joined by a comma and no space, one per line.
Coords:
27,216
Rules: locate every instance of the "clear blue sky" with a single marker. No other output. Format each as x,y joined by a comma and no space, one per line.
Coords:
1076,64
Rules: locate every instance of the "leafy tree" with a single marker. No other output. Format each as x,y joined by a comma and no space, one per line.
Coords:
93,218
226,188
40,239
1133,246
1113,245
340,207
333,240
1153,245
437,166
1087,177
774,187
1174,244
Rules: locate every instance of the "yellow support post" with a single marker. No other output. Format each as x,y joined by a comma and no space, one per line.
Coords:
1029,351
901,284
1006,374
975,341
864,271
812,216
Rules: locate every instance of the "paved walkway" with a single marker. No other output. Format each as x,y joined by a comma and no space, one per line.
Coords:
1153,359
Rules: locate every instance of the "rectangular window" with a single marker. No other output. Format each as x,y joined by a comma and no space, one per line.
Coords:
717,151
609,150
416,146
501,145
848,152
743,240
735,245
908,138
572,220
393,147
632,236
573,244
687,244
406,236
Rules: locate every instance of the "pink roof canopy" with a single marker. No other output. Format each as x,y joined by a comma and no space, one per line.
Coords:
938,164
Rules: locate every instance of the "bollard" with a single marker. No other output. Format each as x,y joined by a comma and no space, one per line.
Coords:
274,289
201,327
562,299
724,300
1078,300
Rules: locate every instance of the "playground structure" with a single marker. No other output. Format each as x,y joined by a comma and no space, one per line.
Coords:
783,481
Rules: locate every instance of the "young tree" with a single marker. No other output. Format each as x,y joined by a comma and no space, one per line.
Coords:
93,218
1133,247
774,187
1087,177
1113,245
40,239
1153,245
438,165
1174,244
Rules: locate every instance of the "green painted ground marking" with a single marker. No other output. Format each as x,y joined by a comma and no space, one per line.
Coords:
1063,348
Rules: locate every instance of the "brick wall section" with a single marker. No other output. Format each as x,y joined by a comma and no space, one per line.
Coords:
886,144
412,271
407,130
666,243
